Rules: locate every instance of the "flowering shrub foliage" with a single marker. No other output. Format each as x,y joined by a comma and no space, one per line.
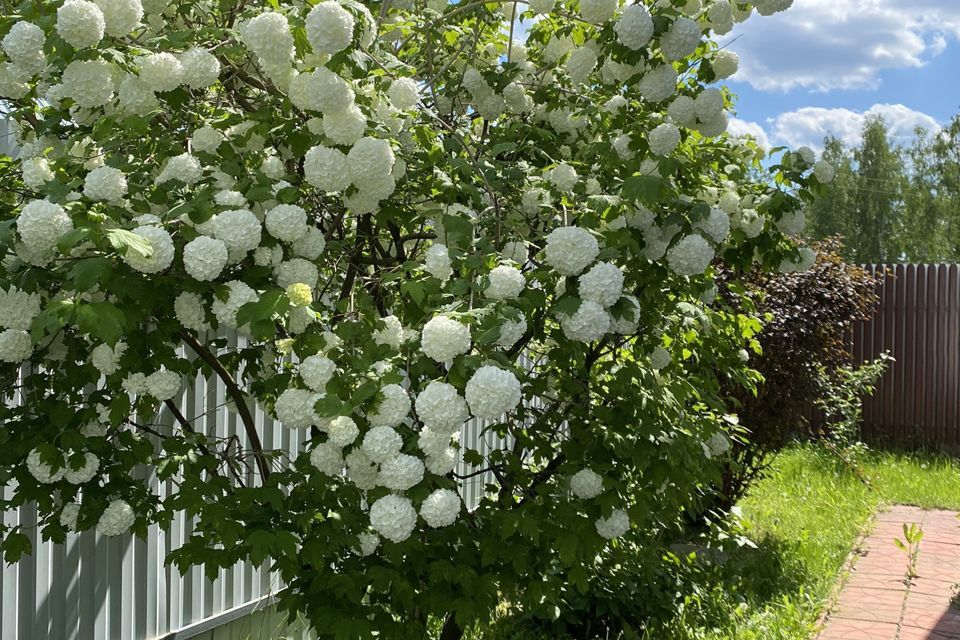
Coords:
393,202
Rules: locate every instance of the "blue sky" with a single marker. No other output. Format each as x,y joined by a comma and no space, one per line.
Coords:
823,65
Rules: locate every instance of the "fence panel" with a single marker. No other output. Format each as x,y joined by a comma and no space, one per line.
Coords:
917,320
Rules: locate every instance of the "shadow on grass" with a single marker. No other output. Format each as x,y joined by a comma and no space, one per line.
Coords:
707,595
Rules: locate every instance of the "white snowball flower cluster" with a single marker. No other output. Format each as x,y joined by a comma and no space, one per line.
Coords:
716,225
363,472
160,71
199,68
286,222
824,171
120,16
382,444
316,371
163,384
294,408
586,484
329,27
41,224
296,270
634,28
393,517
370,164
342,431
161,255
24,46
808,258
505,283
440,508
41,471
563,177
239,229
725,64
401,472
717,445
15,345
105,183
327,458
185,168
444,338
441,409
80,23
614,526
691,256
602,284
664,139
436,261
597,11
392,334
588,323
69,515
86,471
268,36
791,223
135,97
88,82
511,331
660,358
659,83
310,245
36,172
321,90
323,167
404,93
116,519
580,64
204,257
492,392
226,312
368,543
392,409
189,310
18,308
681,39
206,139
570,250
106,359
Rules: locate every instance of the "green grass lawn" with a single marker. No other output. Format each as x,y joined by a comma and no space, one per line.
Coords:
805,518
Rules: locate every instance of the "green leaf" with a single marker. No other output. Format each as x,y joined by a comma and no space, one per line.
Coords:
16,545
125,241
645,189
272,301
103,320
88,273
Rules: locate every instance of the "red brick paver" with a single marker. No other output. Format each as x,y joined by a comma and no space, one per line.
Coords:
880,601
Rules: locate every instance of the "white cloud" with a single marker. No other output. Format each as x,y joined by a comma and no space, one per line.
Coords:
738,128
841,44
810,125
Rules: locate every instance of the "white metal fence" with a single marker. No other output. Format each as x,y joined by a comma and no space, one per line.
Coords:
98,588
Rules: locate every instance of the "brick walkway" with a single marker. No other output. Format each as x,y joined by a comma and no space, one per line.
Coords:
880,602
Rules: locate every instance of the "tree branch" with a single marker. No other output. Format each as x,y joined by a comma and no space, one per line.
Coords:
238,398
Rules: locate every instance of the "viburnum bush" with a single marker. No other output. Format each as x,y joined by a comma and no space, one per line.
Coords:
412,216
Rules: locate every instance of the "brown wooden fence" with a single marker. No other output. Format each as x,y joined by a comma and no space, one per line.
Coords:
917,402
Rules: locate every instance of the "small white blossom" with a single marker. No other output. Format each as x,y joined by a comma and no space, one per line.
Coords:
614,526
440,508
586,484
393,517
444,338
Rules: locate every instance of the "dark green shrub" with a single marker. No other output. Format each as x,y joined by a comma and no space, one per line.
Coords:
806,339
